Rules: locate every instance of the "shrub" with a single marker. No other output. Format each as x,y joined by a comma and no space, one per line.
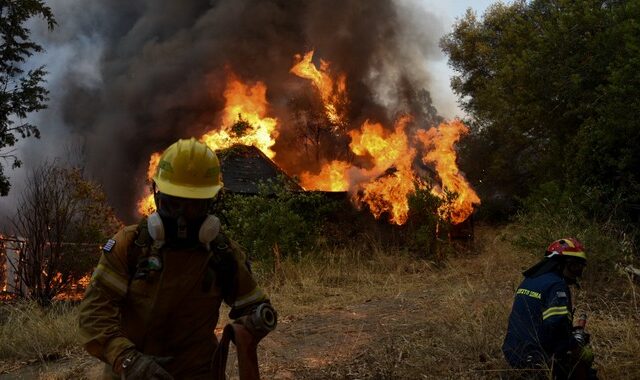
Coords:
276,217
550,214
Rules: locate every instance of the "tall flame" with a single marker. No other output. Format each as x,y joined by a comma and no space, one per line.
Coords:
332,92
393,156
244,121
443,155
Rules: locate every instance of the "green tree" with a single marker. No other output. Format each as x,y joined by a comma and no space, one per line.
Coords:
550,87
20,93
607,161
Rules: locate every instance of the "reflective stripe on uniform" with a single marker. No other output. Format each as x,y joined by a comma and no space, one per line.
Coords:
255,295
111,279
557,310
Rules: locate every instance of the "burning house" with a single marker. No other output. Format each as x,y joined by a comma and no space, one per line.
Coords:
333,93
380,169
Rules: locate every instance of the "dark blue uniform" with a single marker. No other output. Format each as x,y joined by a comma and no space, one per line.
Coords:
540,323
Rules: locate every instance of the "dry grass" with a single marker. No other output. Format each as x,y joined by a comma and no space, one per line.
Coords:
28,331
369,313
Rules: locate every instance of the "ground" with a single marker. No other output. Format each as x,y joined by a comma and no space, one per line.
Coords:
389,317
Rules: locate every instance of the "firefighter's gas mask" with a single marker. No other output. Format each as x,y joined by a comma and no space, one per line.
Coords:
182,220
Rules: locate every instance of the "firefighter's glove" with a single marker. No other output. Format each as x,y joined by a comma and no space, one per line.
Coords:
260,321
138,366
581,337
586,355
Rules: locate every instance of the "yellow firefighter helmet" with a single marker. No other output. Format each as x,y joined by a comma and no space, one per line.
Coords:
188,169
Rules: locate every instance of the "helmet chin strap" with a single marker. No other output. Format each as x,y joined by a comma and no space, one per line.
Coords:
209,229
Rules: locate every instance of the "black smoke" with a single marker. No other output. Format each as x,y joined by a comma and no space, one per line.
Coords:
136,75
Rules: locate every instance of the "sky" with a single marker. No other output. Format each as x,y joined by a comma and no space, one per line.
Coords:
447,11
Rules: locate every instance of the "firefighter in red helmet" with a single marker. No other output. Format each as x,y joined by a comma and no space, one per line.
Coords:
541,334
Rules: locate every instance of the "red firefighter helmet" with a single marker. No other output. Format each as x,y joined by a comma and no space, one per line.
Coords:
570,247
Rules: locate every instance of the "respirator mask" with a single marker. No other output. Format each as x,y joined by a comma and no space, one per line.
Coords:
182,220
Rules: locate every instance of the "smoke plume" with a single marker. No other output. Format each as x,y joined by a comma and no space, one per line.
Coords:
127,78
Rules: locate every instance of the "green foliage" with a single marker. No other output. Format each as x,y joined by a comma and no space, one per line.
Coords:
550,214
20,93
608,158
552,89
425,224
277,218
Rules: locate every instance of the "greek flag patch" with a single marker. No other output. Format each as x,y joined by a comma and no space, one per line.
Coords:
108,246
561,294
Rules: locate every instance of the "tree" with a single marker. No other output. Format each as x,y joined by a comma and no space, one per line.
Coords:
550,87
62,218
20,93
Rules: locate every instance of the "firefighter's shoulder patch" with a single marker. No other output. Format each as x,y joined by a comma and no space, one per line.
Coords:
561,294
108,246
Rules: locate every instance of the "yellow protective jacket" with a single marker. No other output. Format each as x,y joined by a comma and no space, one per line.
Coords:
170,312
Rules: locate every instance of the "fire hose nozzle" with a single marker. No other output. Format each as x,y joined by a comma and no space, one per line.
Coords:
261,321
265,317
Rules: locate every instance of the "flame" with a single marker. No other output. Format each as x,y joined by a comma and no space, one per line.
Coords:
332,177
384,187
392,156
332,93
244,121
154,160
443,155
75,291
147,204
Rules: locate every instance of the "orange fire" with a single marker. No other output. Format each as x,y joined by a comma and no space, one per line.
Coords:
244,121
147,205
443,155
381,176
391,152
386,185
75,291
333,176
332,93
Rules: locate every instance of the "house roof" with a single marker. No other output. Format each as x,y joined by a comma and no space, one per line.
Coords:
244,168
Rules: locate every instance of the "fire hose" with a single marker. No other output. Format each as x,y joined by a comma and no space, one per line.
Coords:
245,333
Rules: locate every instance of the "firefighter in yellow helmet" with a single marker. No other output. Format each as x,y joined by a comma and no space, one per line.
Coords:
154,298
